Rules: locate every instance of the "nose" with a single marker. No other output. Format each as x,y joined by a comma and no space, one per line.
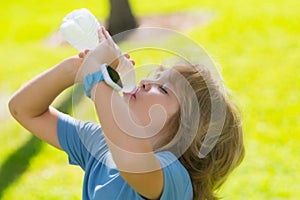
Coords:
145,85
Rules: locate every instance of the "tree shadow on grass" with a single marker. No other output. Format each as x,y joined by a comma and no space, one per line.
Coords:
18,162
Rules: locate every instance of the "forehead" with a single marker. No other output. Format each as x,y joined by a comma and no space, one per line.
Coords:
168,74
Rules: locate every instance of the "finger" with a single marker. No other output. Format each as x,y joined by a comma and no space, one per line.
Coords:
124,62
81,55
101,36
107,36
86,51
127,55
132,62
103,32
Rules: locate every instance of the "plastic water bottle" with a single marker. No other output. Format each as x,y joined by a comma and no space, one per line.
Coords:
80,29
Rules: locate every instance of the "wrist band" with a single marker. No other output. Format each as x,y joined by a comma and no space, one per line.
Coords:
90,80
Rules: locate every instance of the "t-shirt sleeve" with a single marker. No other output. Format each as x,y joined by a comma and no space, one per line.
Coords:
177,182
80,140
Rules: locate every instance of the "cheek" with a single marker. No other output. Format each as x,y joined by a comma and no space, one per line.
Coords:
140,113
154,116
155,107
175,108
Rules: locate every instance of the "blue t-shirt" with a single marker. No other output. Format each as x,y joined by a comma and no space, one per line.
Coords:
85,145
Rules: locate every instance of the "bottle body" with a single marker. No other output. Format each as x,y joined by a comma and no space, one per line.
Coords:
80,29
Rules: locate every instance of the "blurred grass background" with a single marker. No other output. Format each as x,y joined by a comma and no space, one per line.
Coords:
257,44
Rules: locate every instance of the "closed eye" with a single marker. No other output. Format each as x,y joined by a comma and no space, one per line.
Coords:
161,87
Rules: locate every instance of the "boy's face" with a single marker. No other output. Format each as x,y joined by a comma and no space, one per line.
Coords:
153,102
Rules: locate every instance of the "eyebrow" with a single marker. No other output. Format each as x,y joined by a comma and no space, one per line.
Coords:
157,75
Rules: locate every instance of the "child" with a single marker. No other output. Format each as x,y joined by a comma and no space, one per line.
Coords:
153,143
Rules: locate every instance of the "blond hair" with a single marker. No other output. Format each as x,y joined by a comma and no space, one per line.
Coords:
208,171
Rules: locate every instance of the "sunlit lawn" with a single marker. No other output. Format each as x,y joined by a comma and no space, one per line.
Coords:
255,42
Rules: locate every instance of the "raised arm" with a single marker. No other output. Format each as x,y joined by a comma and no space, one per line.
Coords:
133,156
30,105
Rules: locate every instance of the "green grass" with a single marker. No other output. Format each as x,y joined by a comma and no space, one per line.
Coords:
255,42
